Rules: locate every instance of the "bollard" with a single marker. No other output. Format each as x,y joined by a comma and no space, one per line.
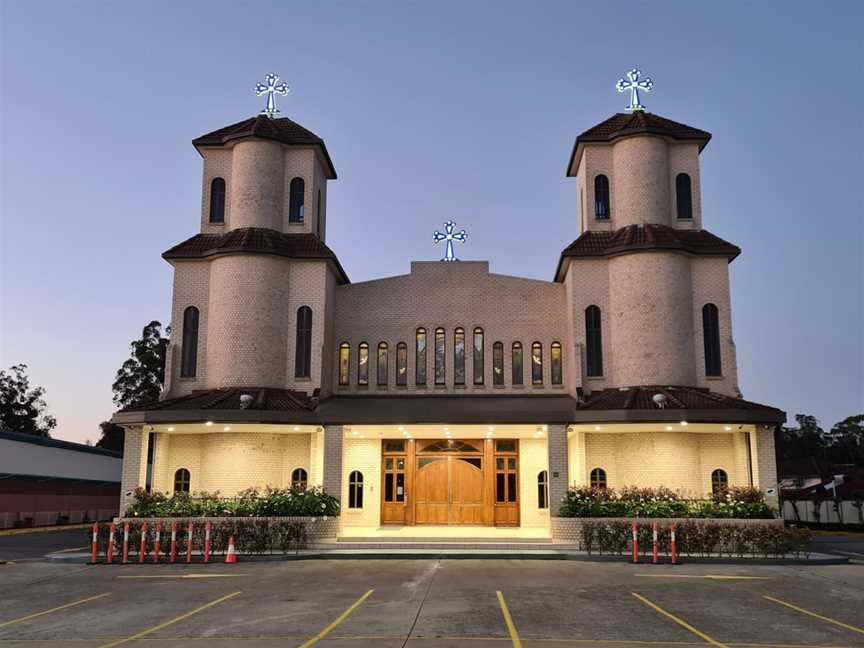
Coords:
157,542
111,529
635,531
654,559
673,548
173,557
142,552
126,543
207,542
189,531
94,553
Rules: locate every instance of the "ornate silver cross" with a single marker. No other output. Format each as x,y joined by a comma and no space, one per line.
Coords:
449,236
273,87
633,83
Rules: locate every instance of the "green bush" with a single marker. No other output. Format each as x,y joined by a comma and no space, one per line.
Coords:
273,502
661,502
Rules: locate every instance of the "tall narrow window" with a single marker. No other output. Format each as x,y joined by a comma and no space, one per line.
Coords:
295,200
344,364
401,364
543,490
555,358
498,364
355,489
318,214
181,481
536,364
458,356
518,364
683,196
382,364
711,338
363,364
598,478
303,352
217,200
479,352
299,479
440,372
719,482
601,197
593,342
420,357
189,357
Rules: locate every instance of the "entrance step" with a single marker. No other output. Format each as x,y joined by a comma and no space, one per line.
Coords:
486,544
443,540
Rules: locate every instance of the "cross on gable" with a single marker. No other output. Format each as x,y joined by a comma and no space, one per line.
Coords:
449,235
634,84
273,87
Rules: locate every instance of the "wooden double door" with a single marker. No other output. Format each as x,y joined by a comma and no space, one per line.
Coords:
450,482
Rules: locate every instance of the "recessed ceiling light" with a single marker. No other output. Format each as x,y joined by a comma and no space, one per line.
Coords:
354,433
728,428
684,423
209,423
227,428
545,427
171,428
668,428
596,427
401,428
296,428
491,428
446,429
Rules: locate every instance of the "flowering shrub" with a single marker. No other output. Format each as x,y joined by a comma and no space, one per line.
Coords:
631,501
272,502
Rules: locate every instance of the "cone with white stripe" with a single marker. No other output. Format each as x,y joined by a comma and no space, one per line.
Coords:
231,555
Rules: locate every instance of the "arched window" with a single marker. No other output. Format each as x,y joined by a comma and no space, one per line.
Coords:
543,490
295,200
303,351
536,364
719,482
401,364
458,356
518,364
355,490
555,357
440,372
189,352
593,342
598,478
217,200
299,479
498,364
344,364
382,364
420,357
711,339
601,197
181,481
363,364
479,352
683,196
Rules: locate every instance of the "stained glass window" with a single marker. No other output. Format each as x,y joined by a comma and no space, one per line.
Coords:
498,364
401,364
189,351
555,357
536,364
593,341
518,368
440,371
420,357
295,202
363,364
344,363
382,364
459,356
601,197
479,370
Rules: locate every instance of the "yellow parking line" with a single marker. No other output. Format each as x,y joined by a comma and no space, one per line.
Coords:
706,576
56,609
184,576
144,633
508,620
704,637
818,616
338,620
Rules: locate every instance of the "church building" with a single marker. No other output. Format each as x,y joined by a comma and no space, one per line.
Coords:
451,396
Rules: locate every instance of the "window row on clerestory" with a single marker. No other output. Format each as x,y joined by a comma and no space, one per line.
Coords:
432,365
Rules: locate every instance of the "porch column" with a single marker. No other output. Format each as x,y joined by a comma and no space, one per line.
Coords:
134,469
333,460
558,468
316,457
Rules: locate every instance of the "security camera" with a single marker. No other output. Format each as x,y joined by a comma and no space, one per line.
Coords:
130,493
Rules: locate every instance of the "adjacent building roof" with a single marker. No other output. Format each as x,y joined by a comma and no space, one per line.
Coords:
636,123
648,236
281,130
258,240
48,442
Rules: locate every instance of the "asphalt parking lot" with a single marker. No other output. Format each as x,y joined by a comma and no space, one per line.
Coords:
431,604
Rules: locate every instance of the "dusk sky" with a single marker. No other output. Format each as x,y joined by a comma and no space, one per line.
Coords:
430,111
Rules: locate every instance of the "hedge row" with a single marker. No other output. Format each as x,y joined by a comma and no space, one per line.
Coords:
272,502
631,501
696,538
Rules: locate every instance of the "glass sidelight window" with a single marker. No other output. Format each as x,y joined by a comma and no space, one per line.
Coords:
394,479
505,480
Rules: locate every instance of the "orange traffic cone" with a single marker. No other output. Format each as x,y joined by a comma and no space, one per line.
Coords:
231,555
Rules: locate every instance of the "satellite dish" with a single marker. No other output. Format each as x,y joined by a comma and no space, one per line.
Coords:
659,400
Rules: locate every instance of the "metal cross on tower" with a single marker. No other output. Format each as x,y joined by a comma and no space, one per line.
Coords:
449,235
273,87
634,84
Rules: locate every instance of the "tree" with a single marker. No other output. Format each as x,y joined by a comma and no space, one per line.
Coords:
847,441
802,442
23,409
139,380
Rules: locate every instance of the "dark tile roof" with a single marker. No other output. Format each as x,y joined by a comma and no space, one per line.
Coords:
259,240
640,122
649,236
279,130
701,399
9,435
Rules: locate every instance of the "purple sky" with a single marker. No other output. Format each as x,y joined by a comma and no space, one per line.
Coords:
430,111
